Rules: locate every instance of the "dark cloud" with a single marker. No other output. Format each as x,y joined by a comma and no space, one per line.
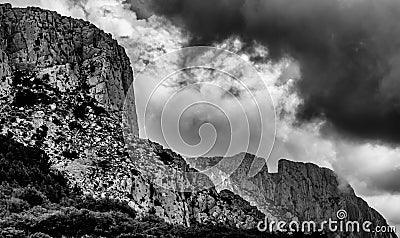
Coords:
387,182
140,7
348,52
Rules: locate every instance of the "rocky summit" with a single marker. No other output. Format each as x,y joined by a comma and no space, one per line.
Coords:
297,192
63,83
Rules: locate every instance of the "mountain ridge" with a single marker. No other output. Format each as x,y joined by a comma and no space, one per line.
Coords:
65,107
63,84
298,191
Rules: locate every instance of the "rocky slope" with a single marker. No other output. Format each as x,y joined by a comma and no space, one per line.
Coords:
62,87
298,191
43,40
63,82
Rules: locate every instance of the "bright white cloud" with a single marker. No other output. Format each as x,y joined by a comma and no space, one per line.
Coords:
389,206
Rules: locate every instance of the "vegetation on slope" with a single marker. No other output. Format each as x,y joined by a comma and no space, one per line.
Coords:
36,201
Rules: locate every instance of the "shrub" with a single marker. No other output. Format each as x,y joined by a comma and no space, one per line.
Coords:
30,195
12,232
39,235
16,205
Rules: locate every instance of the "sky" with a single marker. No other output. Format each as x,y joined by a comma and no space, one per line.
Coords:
329,67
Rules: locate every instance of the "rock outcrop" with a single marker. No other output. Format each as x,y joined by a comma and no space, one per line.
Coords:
44,40
63,84
297,192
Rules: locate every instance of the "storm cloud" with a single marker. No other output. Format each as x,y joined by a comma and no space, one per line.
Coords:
348,53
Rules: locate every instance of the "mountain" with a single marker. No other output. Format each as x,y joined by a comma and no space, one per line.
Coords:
298,191
63,83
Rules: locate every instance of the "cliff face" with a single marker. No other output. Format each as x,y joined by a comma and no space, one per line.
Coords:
63,84
43,40
298,191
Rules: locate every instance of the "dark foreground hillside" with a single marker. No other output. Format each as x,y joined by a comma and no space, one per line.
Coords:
36,201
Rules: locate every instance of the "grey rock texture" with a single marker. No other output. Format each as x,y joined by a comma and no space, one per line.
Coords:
33,38
63,83
297,192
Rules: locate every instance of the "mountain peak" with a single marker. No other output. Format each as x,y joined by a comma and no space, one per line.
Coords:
298,191
62,82
36,39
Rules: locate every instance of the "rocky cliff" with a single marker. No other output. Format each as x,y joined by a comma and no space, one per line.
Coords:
43,40
297,192
63,84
